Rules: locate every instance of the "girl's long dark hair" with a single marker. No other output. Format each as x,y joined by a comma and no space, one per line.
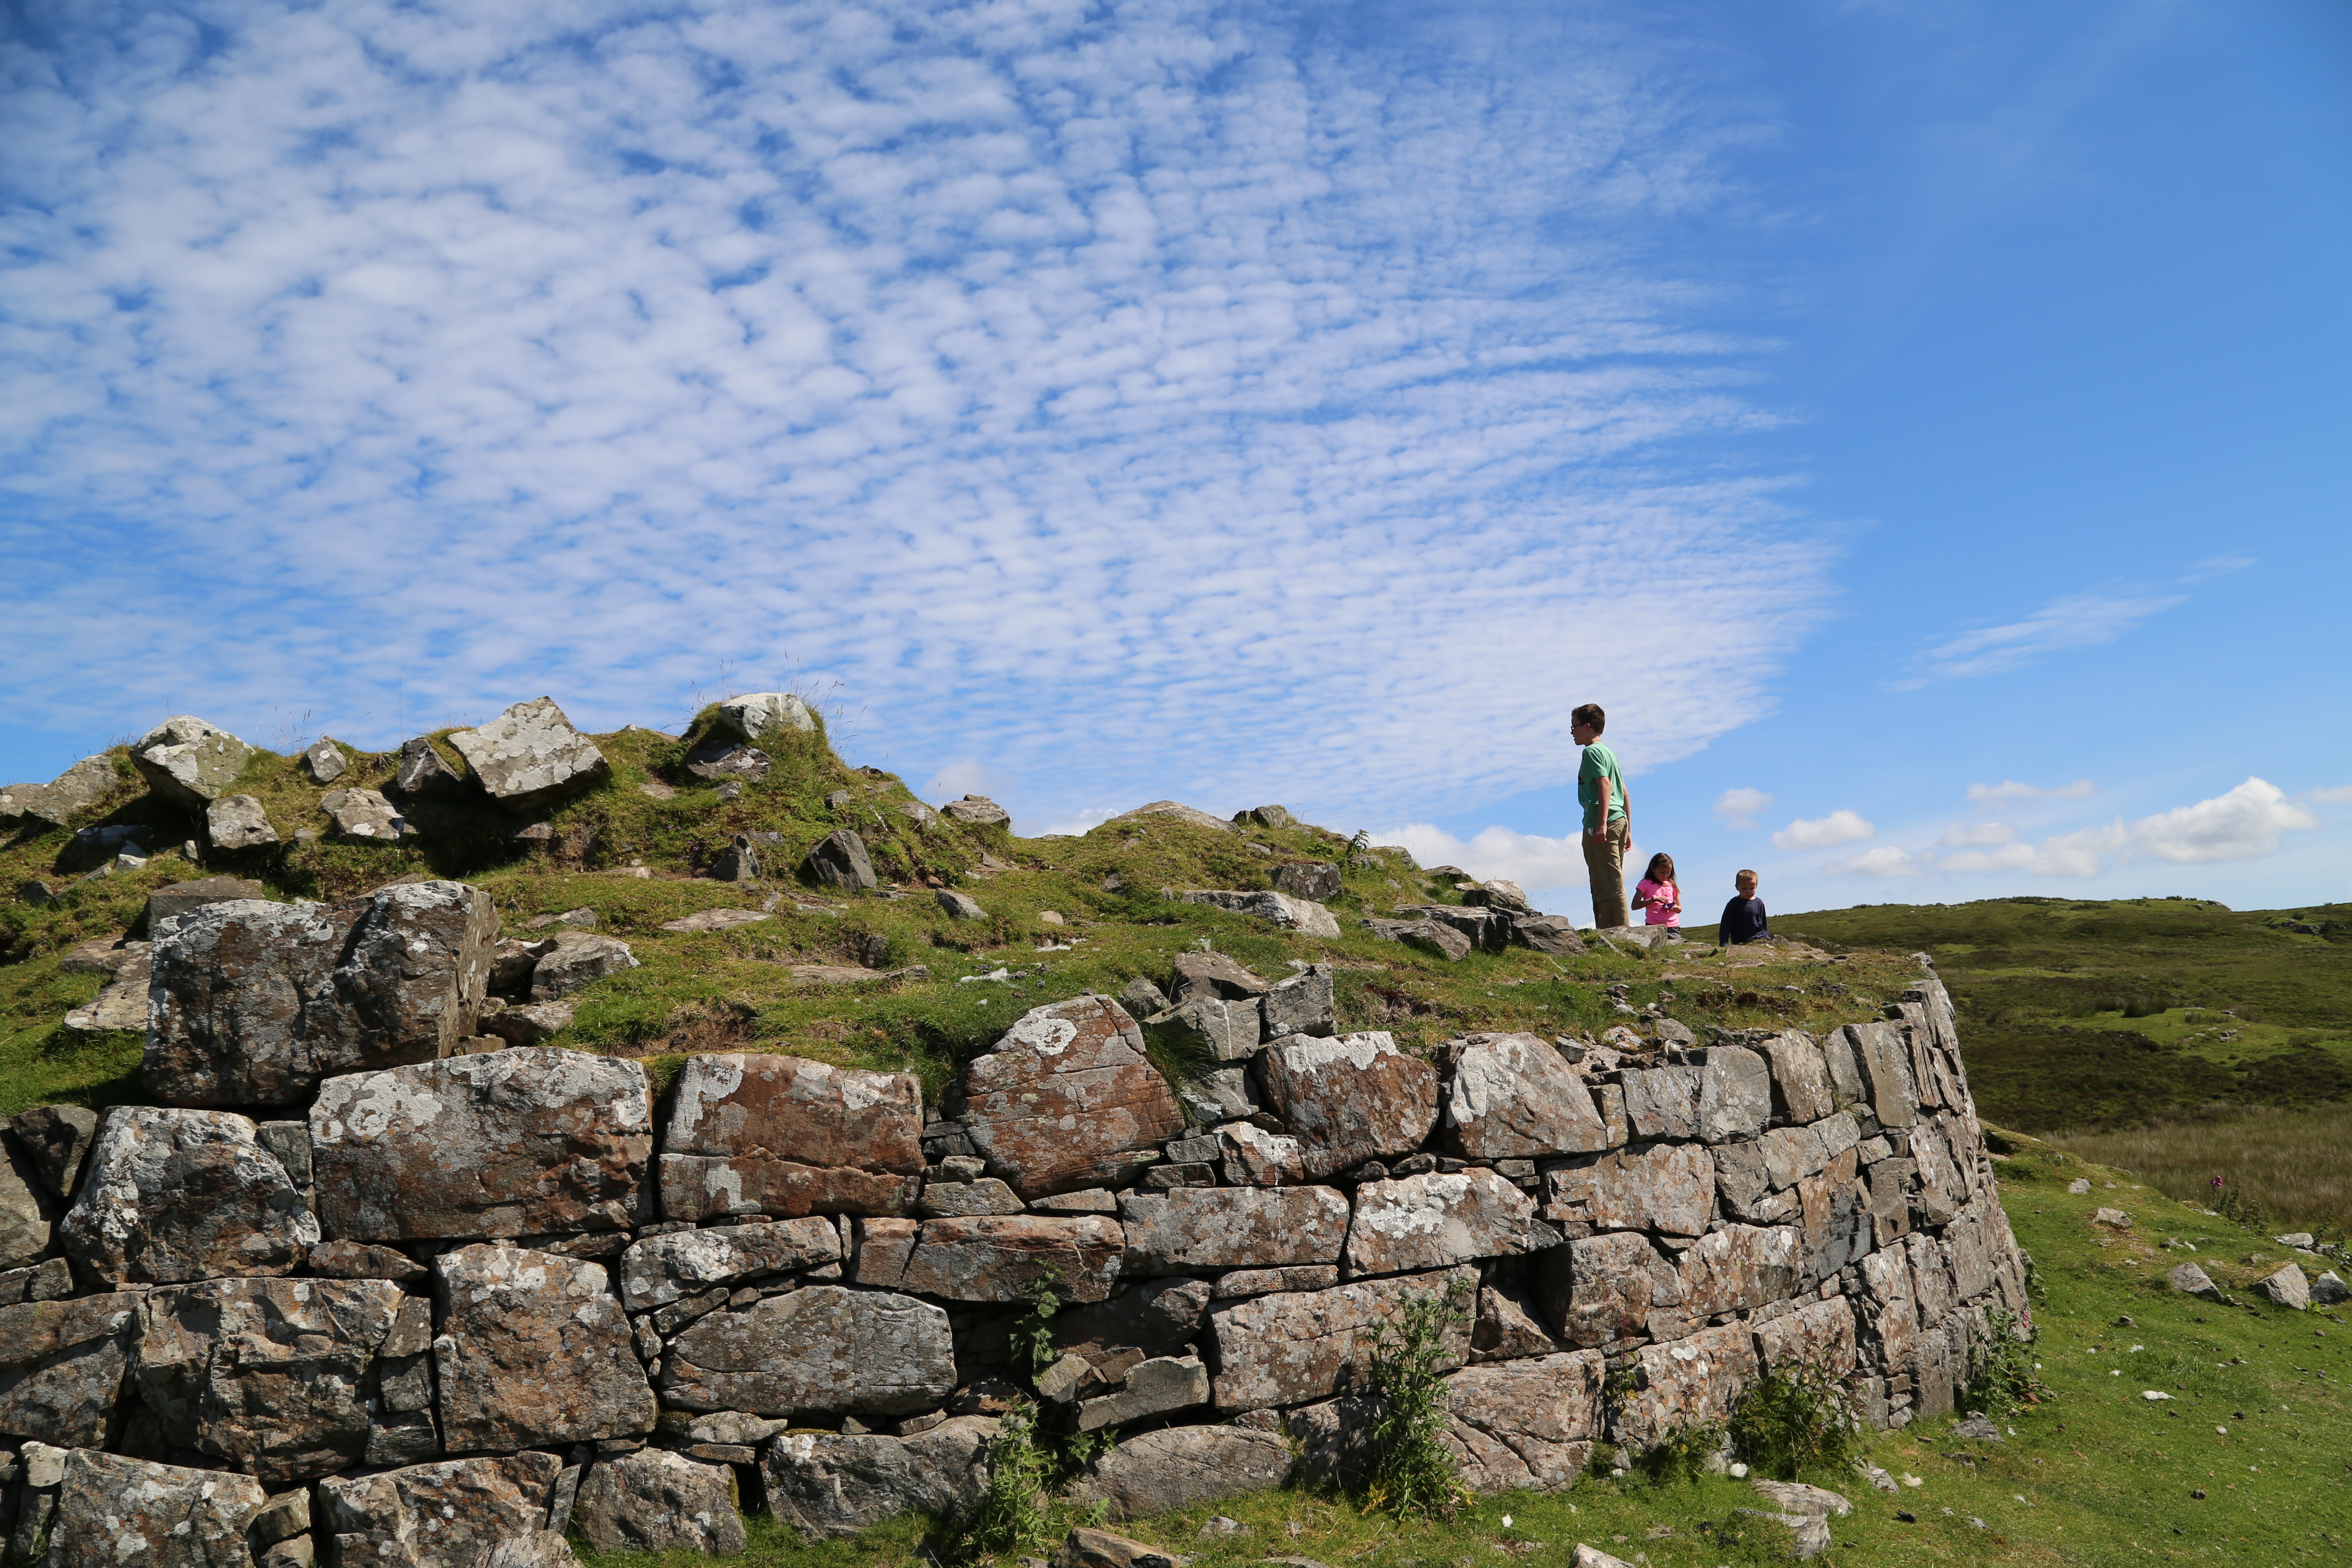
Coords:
1667,860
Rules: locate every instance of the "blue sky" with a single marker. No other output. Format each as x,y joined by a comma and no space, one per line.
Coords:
1923,428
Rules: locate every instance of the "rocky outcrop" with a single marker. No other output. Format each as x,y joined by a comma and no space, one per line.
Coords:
1067,1098
761,715
189,763
64,798
529,755
1304,916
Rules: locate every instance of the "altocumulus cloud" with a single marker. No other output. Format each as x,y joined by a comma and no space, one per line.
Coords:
1107,397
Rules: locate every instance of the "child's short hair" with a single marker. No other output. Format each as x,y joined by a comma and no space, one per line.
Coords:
1662,868
1745,877
1590,715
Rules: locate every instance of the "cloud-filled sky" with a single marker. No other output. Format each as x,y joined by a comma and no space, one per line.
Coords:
1096,402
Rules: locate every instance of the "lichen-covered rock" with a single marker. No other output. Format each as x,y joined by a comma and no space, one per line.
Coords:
839,860
189,763
1435,1220
532,1548
175,1195
1068,1099
654,1500
423,770
825,1484
1176,1466
1508,1325
997,1257
533,1352
822,1349
113,1510
324,760
1514,1097
441,1515
1739,1267
1429,936
1802,1089
61,1366
1290,1348
1233,1227
55,1138
515,1143
977,811
26,1208
1735,1094
760,714
1155,1387
1210,975
1883,1050
238,822
1349,1100
269,1375
531,754
1302,1005
1304,916
57,802
1601,1289
661,1269
364,815
1665,1186
1820,1335
1662,1102
1216,1027
1685,1383
1257,1158
255,1003
751,1133
581,958
1524,1424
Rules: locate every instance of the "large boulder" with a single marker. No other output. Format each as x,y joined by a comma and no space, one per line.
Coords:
750,1133
61,1367
1685,1383
2288,1286
1514,1097
1304,916
255,1003
533,1352
531,754
189,763
271,1375
977,811
57,802
825,1484
1665,1186
510,1144
1310,879
1546,934
1188,1228
175,1195
1434,1220
1524,1424
1349,1100
839,860
1068,1099
442,1515
1176,1466
1292,1347
760,714
113,1510
822,1349
654,1500
1000,1257
664,1268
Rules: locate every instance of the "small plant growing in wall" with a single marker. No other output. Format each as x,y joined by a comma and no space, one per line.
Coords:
1412,1475
1798,1416
2000,1370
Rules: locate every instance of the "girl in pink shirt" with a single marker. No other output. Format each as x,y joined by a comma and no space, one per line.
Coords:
1656,896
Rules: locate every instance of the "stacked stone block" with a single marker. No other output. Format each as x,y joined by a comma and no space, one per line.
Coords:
434,1297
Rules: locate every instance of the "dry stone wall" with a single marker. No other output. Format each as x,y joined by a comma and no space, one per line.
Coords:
365,1287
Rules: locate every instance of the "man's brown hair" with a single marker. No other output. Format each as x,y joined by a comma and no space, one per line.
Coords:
1591,715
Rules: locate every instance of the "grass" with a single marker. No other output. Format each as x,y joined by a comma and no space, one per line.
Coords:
2095,1475
2293,1166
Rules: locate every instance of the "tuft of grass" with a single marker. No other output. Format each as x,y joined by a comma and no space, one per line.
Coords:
1796,1417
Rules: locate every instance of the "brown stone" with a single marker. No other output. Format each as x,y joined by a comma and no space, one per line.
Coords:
1349,1100
441,1515
995,1257
61,1367
515,1143
1601,1289
1193,1228
1509,1326
1257,1158
1820,1336
1884,1051
1801,1091
1739,1267
653,1500
55,1138
1685,1383
113,1510
1524,1424
1515,1097
1665,1186
1434,1220
363,1260
822,1349
175,1195
1288,1349
1068,1099
533,1352
664,1268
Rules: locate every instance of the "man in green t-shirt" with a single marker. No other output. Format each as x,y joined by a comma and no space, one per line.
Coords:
1601,790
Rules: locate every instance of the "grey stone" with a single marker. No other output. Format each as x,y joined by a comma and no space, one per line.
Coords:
1158,1317
423,770
581,958
111,1508
1218,1095
1349,1100
1068,1099
269,1375
1435,1220
960,906
654,1500
1302,915
1735,1094
1255,1157
2328,1291
1270,817
1302,1005
2286,1286
533,1351
61,1367
1178,812
282,1518
664,1269
966,1200
1198,975
1662,1102
839,860
720,759
533,1023
1201,1228
1668,1186
738,862
26,1207
1176,1466
533,1549
189,763
753,1133
827,1484
364,814
757,715
1153,1388
122,1006
531,754
1680,1383
1546,934
175,1195
59,801
819,1349
238,822
1290,1348
1315,879
1820,1335
50,1280
1741,1267
324,760
1143,999
516,1143
1515,1097
187,898
1524,1425
1429,936
977,811
442,1515
1101,1549
1802,1089
1883,1053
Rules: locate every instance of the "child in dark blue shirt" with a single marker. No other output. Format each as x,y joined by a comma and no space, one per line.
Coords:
1743,917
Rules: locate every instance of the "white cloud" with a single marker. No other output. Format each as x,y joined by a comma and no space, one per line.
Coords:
2242,825
1882,860
2337,795
1839,826
2080,853
1740,807
1992,796
1130,400
2078,620
1534,862
1964,834
2007,858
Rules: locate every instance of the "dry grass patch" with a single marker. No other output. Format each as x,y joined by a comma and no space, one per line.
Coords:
2293,1167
